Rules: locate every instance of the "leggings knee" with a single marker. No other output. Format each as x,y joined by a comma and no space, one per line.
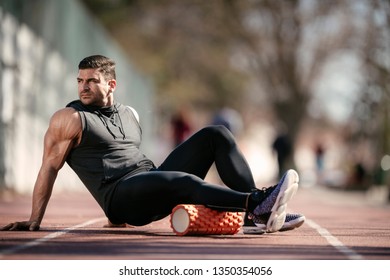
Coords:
220,134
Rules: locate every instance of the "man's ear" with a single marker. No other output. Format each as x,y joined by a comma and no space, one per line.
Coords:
112,85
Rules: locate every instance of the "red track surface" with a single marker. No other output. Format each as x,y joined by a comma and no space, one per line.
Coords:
340,225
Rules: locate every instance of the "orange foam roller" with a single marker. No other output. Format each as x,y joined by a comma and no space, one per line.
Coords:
189,219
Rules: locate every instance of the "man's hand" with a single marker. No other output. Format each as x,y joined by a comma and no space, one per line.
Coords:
22,226
112,225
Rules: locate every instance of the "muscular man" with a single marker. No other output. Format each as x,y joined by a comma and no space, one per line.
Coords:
100,138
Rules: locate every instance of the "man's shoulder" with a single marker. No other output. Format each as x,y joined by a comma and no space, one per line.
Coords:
76,104
130,109
66,123
65,116
135,113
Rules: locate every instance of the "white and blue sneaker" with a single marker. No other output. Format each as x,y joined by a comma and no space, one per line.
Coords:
292,221
273,207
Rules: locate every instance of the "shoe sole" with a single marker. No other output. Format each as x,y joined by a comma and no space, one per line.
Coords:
278,212
253,230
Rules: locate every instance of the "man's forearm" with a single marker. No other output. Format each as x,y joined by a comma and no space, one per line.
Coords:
41,194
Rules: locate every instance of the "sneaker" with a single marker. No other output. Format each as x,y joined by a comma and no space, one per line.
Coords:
292,221
273,207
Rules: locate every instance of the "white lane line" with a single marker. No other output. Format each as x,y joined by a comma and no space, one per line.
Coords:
48,237
351,254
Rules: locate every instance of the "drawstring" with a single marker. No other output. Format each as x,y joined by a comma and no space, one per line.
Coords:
122,131
103,119
103,116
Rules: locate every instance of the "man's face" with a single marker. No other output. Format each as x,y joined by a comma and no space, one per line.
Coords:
94,89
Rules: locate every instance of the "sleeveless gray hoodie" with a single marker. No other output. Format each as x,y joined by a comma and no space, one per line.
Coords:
109,149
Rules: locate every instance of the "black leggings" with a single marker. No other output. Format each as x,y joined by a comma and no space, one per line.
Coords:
150,196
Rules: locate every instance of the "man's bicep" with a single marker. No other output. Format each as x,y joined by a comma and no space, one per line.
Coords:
60,138
55,151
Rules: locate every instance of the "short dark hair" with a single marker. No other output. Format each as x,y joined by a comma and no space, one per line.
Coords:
105,65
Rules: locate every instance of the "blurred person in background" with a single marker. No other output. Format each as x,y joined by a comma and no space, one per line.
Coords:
229,118
283,148
181,127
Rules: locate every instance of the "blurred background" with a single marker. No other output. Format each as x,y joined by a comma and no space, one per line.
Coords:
301,84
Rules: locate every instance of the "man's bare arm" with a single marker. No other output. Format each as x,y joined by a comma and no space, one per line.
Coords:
63,134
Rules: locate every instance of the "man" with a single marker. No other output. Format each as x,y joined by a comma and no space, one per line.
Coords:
100,138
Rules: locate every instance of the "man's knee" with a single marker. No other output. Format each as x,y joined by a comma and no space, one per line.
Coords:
217,131
220,134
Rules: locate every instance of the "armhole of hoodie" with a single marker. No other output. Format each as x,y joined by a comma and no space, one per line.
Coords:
82,119
134,113
83,125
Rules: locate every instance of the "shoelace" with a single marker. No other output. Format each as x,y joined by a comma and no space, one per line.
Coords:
262,219
268,190
260,195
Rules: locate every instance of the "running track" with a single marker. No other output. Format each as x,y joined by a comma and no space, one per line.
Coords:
340,226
